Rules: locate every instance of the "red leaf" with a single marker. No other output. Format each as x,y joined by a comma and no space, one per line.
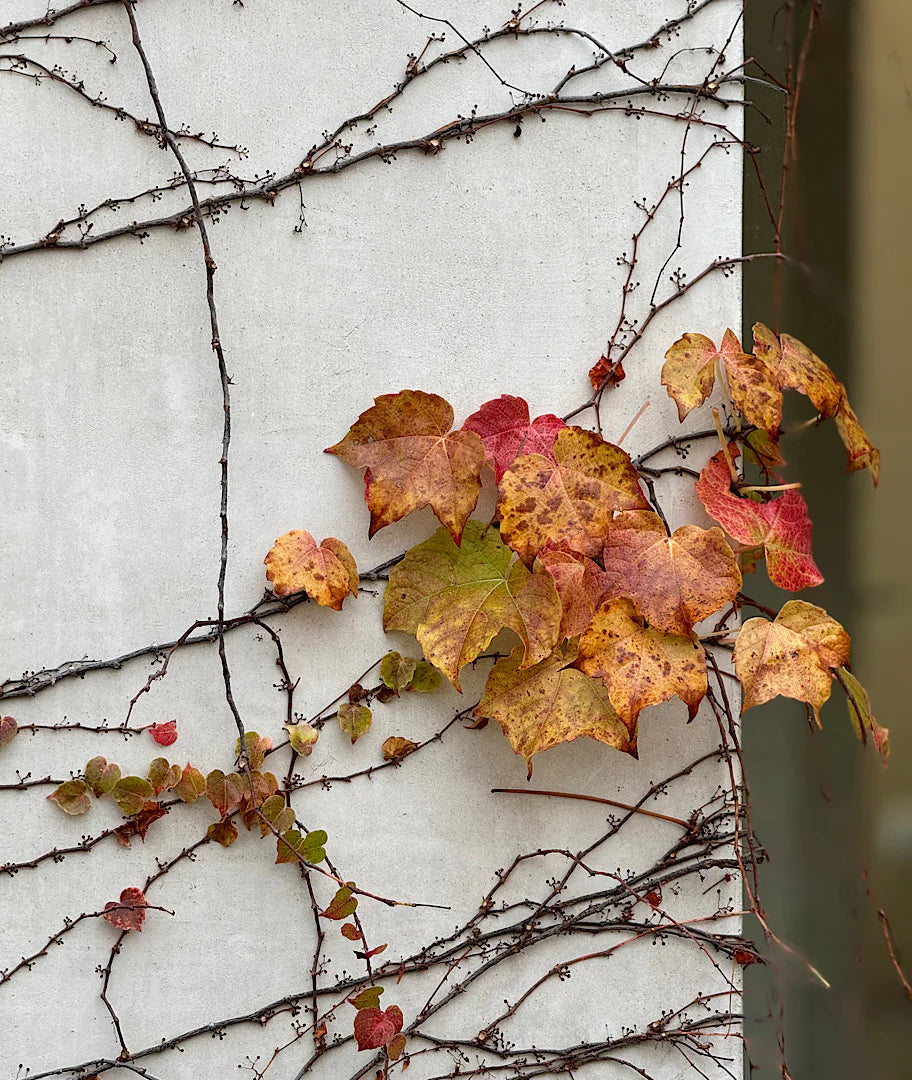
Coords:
782,526
164,734
507,432
377,1027
139,824
128,913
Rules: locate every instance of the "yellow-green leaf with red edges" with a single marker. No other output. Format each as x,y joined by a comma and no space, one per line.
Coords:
457,599
326,573
9,729
413,460
860,715
862,453
255,746
191,785
792,656
132,793
548,704
162,775
580,585
101,775
342,904
569,501
674,581
781,526
639,665
277,814
303,738
224,792
791,363
355,720
72,796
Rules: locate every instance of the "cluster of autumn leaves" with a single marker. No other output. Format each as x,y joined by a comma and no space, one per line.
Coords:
603,598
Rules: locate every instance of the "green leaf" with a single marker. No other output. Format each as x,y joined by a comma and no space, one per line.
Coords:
130,793
859,705
191,785
343,904
396,671
9,729
72,797
302,737
101,775
426,678
368,999
355,720
292,847
280,816
162,775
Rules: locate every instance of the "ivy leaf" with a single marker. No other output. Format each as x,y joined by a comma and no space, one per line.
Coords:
291,846
639,665
101,775
303,738
129,912
256,791
280,816
256,746
9,729
350,931
793,656
164,734
506,431
355,720
426,678
860,714
369,998
567,501
138,825
548,704
224,792
191,785
689,370
327,573
395,1047
131,793
580,585
342,905
457,599
396,671
781,526
674,581
395,748
861,451
414,460
223,832
791,363
377,1027
72,796
162,776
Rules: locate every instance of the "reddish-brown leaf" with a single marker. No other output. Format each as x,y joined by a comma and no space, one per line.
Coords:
580,585
129,912
606,371
138,825
8,730
781,526
327,573
507,431
862,453
377,1027
674,581
223,832
350,931
395,748
342,905
414,460
164,734
224,792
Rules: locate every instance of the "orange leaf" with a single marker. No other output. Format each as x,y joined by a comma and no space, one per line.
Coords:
568,501
791,363
414,460
326,573
395,748
674,581
862,452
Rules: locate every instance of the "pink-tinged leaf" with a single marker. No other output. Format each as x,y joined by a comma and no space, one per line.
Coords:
377,1027
507,431
781,526
191,785
256,746
129,912
72,797
163,776
164,734
327,573
224,792
101,775
9,729
580,585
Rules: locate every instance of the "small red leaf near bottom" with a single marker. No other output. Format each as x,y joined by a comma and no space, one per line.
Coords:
129,913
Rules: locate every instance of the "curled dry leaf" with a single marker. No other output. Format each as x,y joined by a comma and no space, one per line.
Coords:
457,599
72,796
568,500
860,715
793,656
9,729
138,824
129,912
164,734
862,454
327,573
548,704
395,748
674,581
781,526
414,460
507,431
222,832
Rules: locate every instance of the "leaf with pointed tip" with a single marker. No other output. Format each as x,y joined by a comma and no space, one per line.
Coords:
859,705
580,585
129,912
395,748
674,581
342,904
395,1047
792,656
567,501
507,431
426,678
9,729
862,453
101,775
355,720
396,671
639,665
138,825
791,363
164,734
72,796
132,793
457,599
368,998
256,746
414,460
377,1027
781,526
548,704
223,832
280,816
162,776
191,785
291,846
303,738
224,792
327,573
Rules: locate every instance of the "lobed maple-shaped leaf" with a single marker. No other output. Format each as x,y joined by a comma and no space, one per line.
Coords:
224,792
375,1027
342,904
792,656
72,796
395,748
327,573
861,716
355,720
781,526
548,704
132,793
101,775
689,373
457,599
568,500
413,460
164,734
129,912
191,785
303,738
580,585
9,729
162,776
507,431
791,363
640,665
674,581
862,453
